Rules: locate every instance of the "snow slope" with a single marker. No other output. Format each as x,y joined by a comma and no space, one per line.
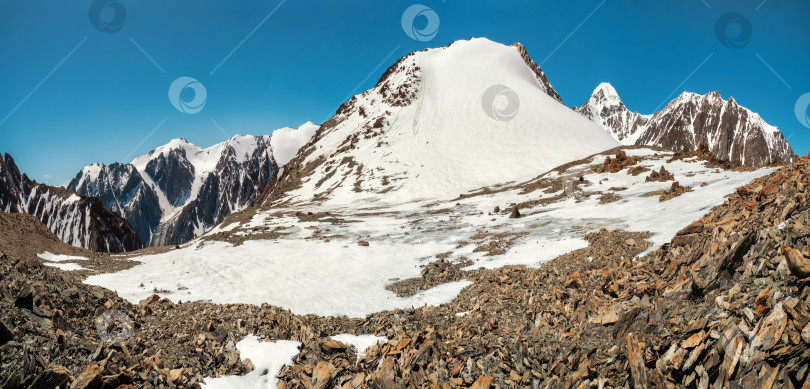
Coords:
315,264
422,131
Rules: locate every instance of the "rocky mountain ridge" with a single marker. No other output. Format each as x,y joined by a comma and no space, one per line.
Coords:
730,131
77,220
178,191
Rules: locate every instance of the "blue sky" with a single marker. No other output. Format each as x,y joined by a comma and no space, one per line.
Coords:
74,95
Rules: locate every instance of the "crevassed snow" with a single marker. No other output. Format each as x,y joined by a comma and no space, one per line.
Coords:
49,256
360,342
285,142
66,266
266,356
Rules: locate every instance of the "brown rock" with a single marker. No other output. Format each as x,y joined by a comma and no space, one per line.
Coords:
149,300
770,333
799,265
610,317
806,334
693,340
321,375
175,375
483,382
515,213
89,379
51,378
363,243
334,345
636,360
762,303
115,381
573,281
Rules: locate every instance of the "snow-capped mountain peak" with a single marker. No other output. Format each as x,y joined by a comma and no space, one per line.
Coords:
607,94
731,131
441,122
179,190
605,108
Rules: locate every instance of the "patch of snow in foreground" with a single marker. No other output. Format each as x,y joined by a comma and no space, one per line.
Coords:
66,266
327,279
270,356
49,256
360,342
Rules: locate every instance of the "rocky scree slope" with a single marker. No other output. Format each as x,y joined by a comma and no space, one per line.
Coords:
77,220
724,304
178,191
730,131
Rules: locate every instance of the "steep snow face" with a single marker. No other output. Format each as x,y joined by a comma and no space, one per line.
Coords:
179,190
731,132
424,131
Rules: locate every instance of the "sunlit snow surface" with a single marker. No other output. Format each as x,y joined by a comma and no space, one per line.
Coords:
305,273
335,278
48,256
66,266
266,356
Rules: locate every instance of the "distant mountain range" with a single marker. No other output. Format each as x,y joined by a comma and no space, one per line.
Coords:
179,191
730,131
77,220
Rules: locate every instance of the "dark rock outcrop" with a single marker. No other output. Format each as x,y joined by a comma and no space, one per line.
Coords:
77,220
731,132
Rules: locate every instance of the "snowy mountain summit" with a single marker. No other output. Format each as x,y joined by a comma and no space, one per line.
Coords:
427,129
178,191
731,132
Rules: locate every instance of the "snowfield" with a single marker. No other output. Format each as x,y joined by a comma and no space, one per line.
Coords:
318,266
